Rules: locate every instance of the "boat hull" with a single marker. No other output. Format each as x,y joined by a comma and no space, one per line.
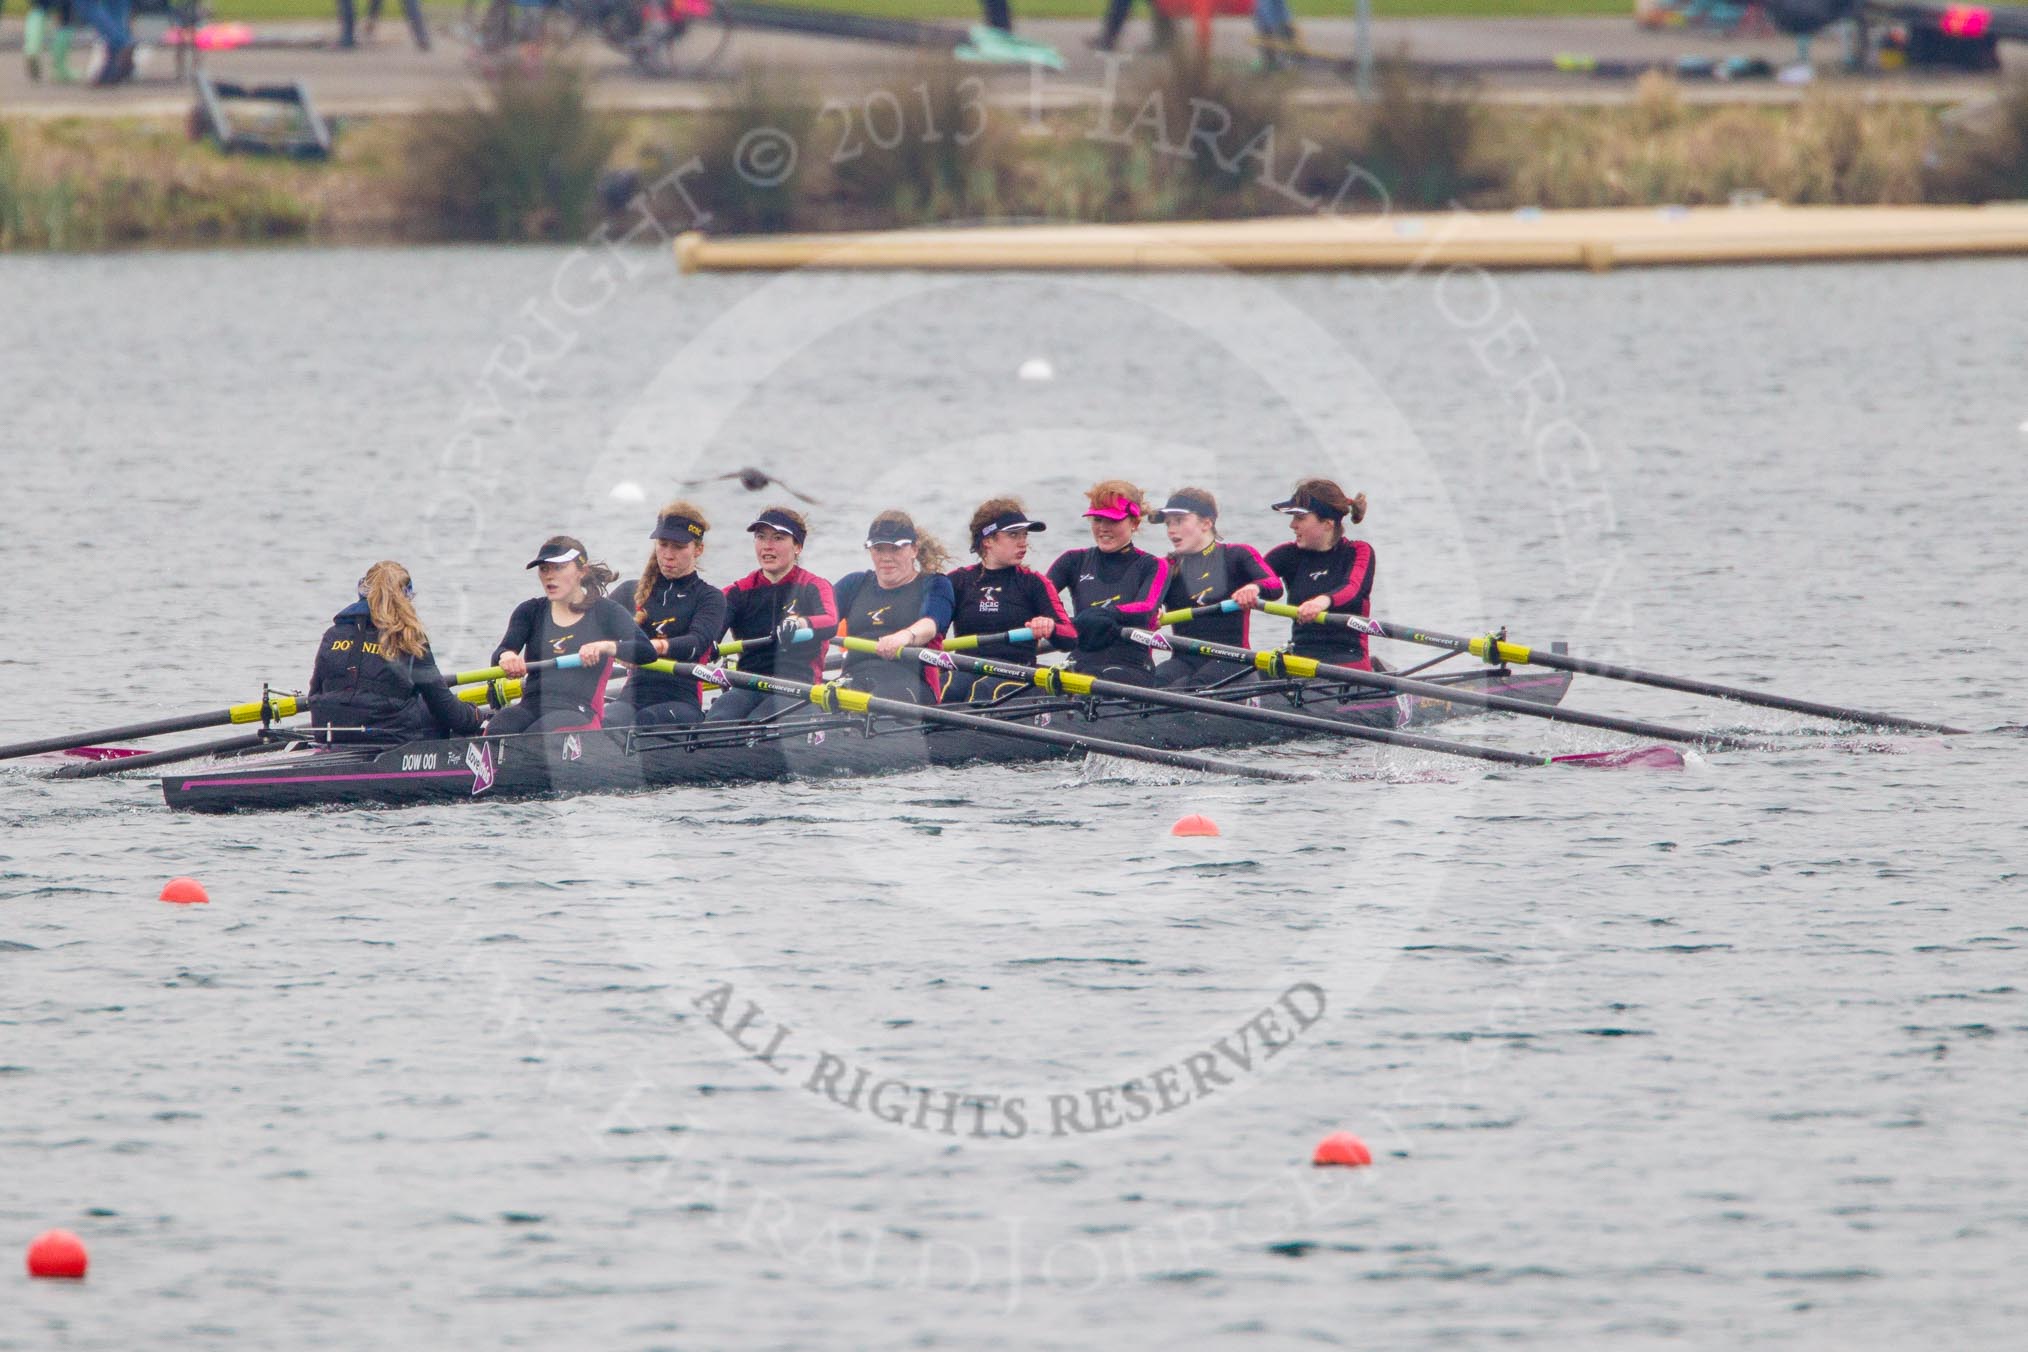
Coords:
528,765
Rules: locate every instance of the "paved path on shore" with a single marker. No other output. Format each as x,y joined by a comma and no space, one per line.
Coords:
390,76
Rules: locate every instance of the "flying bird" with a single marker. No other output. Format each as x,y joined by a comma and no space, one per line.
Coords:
753,481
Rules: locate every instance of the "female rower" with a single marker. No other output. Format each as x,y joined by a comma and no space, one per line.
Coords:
777,601
681,613
1113,584
903,599
1000,593
573,616
375,678
1205,570
1325,570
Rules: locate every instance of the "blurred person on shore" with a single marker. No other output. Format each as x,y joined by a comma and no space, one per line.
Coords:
1116,19
109,18
48,23
348,19
1274,32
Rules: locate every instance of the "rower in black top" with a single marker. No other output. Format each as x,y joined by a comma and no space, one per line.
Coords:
1324,570
1111,585
999,594
903,600
682,615
375,678
1204,570
572,617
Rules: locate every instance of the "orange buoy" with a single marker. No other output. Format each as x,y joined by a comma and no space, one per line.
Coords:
1342,1147
1194,825
57,1253
184,891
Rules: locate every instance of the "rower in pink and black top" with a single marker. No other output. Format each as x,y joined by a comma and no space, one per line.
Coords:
1112,585
1205,570
998,594
1324,570
777,600
903,600
572,617
682,615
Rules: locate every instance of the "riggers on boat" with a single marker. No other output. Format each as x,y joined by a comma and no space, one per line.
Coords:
821,745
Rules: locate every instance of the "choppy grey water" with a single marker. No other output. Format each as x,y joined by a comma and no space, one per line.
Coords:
1730,1055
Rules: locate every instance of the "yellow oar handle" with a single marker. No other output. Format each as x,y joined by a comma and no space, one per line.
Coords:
1488,648
482,694
283,706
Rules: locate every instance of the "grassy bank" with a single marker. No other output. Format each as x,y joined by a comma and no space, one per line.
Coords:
535,163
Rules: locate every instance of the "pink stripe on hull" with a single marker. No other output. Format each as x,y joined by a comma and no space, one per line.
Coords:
327,779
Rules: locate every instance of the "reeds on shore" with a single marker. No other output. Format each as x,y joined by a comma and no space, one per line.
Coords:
532,160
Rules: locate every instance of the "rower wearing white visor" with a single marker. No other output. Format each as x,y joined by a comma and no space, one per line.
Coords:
572,618
903,600
1205,570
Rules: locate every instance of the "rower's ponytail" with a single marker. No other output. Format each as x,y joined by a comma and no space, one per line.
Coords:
598,579
1331,497
930,554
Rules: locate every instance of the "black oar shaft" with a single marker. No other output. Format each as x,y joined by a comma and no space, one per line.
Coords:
121,764
1495,649
831,697
282,706
1078,683
1278,663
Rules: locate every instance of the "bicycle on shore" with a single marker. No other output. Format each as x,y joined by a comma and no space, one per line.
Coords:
648,32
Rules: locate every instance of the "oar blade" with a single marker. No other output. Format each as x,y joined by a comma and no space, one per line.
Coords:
1652,757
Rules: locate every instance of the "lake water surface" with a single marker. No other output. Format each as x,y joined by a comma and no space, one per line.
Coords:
1731,1055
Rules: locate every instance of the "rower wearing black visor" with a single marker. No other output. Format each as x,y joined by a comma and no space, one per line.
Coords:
1325,570
682,615
1001,593
1205,570
777,601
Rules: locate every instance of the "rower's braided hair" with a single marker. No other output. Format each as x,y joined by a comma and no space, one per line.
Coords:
652,574
930,554
386,588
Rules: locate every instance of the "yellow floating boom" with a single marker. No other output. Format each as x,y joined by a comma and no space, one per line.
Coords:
1594,239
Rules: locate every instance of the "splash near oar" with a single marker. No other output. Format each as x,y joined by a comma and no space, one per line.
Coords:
1494,649
835,698
1309,668
269,708
225,746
